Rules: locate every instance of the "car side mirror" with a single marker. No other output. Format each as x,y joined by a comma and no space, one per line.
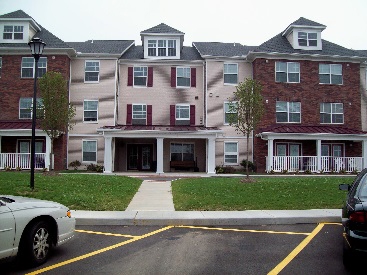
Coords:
344,187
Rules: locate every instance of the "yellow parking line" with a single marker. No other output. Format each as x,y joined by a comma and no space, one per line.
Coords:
244,230
82,257
106,234
297,250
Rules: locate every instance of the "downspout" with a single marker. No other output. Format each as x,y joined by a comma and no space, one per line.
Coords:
205,76
117,92
67,141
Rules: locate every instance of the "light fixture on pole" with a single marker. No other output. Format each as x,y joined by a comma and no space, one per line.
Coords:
37,46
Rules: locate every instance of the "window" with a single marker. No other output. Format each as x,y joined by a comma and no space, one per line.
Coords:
330,74
28,67
90,110
89,151
331,113
182,112
25,107
139,116
91,71
182,151
288,111
161,47
183,77
230,153
140,76
230,113
307,39
13,32
230,73
287,72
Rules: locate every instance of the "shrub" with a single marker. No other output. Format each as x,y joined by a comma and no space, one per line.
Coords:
219,170
18,168
75,164
251,166
95,167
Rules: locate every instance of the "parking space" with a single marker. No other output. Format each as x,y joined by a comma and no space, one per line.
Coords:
270,249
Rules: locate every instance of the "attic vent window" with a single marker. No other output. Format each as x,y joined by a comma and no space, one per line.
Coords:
307,39
13,32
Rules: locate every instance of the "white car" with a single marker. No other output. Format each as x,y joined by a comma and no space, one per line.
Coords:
29,228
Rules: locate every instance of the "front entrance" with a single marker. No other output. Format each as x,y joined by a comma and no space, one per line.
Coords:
139,157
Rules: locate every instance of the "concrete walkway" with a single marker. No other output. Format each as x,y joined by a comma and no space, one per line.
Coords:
153,195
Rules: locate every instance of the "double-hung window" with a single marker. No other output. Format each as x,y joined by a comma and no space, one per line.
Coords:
90,110
161,47
89,151
28,67
230,73
139,114
230,112
330,74
331,113
26,107
182,112
91,71
13,32
171,47
183,77
308,39
182,151
152,47
140,76
230,153
288,112
287,72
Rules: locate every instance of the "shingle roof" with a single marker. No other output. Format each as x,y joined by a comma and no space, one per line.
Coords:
51,40
102,46
162,28
306,22
222,49
312,129
187,53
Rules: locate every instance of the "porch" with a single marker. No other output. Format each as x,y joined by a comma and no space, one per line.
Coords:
21,161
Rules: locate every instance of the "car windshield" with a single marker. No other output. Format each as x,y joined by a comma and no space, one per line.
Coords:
363,188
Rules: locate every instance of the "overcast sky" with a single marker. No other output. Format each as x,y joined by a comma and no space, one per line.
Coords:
246,22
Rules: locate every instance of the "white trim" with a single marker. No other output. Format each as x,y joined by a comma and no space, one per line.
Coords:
89,140
91,121
230,84
85,71
230,153
146,77
183,68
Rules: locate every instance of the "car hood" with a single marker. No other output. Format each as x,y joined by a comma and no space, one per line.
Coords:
19,203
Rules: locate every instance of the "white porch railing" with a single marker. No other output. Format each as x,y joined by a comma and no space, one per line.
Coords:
23,161
309,163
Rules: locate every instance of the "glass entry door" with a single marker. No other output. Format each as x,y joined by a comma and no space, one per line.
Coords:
139,157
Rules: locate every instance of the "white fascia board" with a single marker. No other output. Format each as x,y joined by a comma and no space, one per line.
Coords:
315,136
30,20
159,62
22,132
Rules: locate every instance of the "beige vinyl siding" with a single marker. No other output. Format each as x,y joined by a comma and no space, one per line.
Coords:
161,95
219,151
75,151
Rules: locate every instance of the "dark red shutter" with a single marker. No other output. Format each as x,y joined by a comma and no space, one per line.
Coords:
172,115
149,114
150,76
193,77
173,76
129,114
192,114
130,76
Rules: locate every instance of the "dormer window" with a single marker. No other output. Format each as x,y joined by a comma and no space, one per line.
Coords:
161,47
307,39
13,32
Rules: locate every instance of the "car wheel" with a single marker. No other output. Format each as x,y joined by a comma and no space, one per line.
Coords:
36,244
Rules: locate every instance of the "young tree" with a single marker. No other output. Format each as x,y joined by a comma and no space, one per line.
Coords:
56,110
247,108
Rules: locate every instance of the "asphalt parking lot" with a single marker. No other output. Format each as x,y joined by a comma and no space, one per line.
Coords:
270,249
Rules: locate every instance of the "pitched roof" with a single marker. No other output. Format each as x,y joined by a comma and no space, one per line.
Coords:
220,49
311,129
51,40
16,125
306,22
102,46
162,28
137,52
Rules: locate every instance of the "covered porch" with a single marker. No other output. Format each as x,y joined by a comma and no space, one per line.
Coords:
314,149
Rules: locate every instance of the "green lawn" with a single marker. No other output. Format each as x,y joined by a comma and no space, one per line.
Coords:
76,191
224,194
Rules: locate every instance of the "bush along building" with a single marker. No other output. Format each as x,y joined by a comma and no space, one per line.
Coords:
161,106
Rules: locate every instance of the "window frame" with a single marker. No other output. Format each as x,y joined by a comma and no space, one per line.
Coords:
182,107
143,113
29,109
145,75
86,71
287,72
228,112
96,111
288,111
95,141
156,47
308,39
186,74
331,114
225,72
14,32
42,66
331,74
192,146
226,153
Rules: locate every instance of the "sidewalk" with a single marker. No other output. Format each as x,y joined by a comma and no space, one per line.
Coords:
153,205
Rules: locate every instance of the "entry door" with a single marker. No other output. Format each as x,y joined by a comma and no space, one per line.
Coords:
139,157
294,151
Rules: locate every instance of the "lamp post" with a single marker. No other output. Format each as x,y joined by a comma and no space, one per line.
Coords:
36,46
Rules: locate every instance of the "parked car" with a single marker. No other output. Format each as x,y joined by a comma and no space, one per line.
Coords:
354,217
30,228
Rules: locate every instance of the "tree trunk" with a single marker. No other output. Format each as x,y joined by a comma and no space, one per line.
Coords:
51,154
247,153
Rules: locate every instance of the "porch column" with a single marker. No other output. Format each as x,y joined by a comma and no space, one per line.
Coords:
159,156
269,164
107,155
47,154
211,156
364,153
318,153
